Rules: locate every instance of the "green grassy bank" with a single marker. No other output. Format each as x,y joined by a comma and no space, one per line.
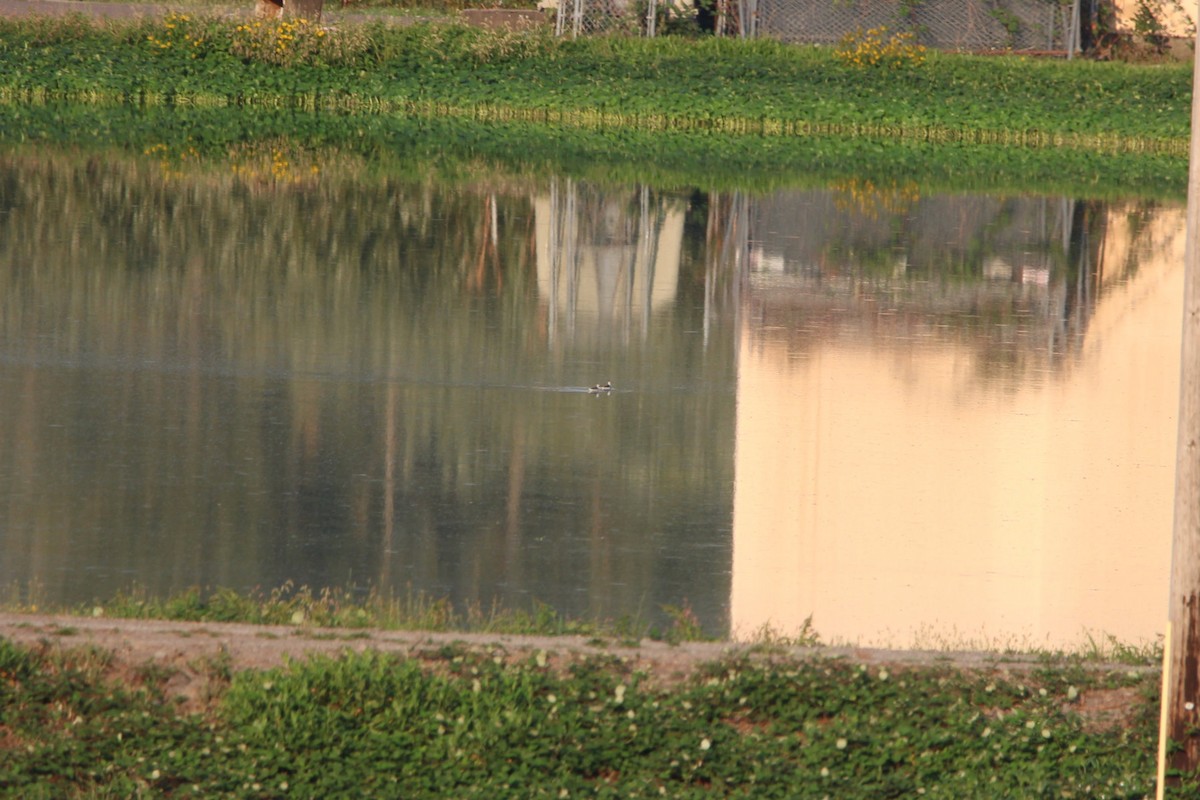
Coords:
500,721
463,722
725,85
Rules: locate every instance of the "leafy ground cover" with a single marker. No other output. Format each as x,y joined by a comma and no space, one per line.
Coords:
727,85
471,722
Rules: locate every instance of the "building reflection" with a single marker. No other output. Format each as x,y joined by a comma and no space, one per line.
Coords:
925,459
606,257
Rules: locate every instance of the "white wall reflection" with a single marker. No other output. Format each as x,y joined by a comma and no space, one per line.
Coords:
606,256
905,479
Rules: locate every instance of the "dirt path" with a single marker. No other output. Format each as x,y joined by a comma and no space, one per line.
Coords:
186,651
333,12
265,646
61,8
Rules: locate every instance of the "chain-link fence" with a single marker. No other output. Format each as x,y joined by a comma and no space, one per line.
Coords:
654,17
945,24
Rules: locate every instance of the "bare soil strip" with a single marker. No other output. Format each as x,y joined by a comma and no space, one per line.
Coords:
248,646
187,650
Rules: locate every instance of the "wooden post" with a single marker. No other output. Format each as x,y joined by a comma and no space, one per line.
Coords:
304,9
1183,679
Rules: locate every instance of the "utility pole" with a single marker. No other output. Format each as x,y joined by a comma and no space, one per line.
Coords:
1182,662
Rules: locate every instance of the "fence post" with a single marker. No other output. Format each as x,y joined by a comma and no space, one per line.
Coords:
1183,680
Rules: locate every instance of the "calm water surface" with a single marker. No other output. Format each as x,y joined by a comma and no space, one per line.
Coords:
908,416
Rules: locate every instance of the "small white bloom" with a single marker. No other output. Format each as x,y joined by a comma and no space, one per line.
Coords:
883,674
552,699
1189,706
1045,733
824,772
476,686
619,693
705,743
1072,693
541,658
841,744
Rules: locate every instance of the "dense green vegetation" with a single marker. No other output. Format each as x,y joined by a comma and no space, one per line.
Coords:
661,84
466,723
198,139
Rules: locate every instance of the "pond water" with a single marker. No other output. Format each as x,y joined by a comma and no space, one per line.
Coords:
910,417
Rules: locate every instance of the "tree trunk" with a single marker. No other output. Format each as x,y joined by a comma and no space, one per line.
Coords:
268,9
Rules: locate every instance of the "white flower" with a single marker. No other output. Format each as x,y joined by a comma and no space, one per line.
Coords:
841,744
705,743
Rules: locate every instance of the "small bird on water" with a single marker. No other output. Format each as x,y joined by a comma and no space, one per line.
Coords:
600,388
